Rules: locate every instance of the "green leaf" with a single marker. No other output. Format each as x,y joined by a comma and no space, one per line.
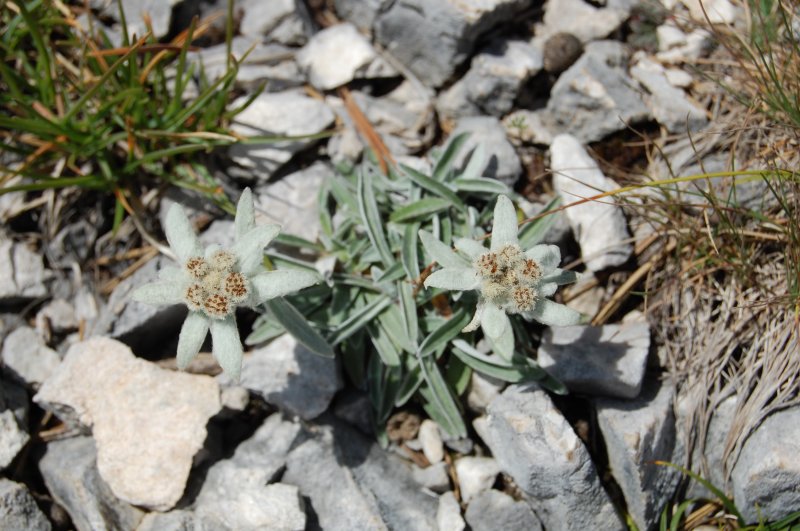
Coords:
458,375
534,232
495,367
476,165
392,321
409,253
447,158
419,209
263,330
371,218
385,347
295,323
434,187
480,185
726,502
360,318
409,386
440,252
444,333
441,404
395,272
409,307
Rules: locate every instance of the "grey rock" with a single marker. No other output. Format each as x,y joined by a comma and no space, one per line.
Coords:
434,477
56,316
767,472
22,273
339,54
289,113
13,421
291,377
28,357
448,515
492,509
234,399
18,509
125,319
581,19
708,461
276,506
595,96
637,433
148,423
256,462
410,29
713,11
667,103
159,12
352,484
503,163
530,127
675,46
283,21
431,441
362,13
536,446
606,360
475,475
177,520
355,408
292,201
493,81
482,390
273,63
69,470
599,226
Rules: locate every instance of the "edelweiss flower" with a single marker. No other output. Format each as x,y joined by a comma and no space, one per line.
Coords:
508,279
214,282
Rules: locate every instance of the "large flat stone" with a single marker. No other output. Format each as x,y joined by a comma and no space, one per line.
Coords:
599,360
148,423
18,509
22,272
28,357
536,446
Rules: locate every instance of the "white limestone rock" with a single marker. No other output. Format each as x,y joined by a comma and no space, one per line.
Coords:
475,475
599,226
28,357
448,515
148,423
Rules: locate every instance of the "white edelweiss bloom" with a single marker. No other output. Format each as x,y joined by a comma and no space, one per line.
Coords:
508,280
213,282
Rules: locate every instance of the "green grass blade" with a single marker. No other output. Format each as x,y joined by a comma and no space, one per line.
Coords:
419,210
726,502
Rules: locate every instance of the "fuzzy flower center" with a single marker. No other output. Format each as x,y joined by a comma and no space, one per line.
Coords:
509,279
216,288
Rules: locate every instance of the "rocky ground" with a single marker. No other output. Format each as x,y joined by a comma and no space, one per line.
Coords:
98,431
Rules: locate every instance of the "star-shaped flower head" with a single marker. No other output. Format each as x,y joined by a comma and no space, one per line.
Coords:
508,280
213,282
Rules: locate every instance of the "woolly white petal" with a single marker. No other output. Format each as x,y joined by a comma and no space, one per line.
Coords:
227,347
503,345
561,277
193,333
476,319
245,219
460,279
159,293
180,234
249,249
470,247
171,274
547,256
273,284
554,314
494,321
440,252
504,229
546,289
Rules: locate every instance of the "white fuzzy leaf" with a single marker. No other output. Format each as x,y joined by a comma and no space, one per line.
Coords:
271,284
547,256
460,279
193,333
494,321
554,314
245,219
504,229
227,347
159,293
470,247
180,234
249,249
440,252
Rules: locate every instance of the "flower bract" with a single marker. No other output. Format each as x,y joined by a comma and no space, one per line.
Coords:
508,279
213,282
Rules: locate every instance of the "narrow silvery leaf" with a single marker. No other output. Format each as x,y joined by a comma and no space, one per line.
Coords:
434,186
470,247
227,347
370,215
476,165
245,214
547,256
561,277
494,321
193,333
440,252
504,229
443,333
409,253
409,307
295,323
446,160
554,314
463,278
419,209
271,284
250,248
180,234
480,185
534,232
159,293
